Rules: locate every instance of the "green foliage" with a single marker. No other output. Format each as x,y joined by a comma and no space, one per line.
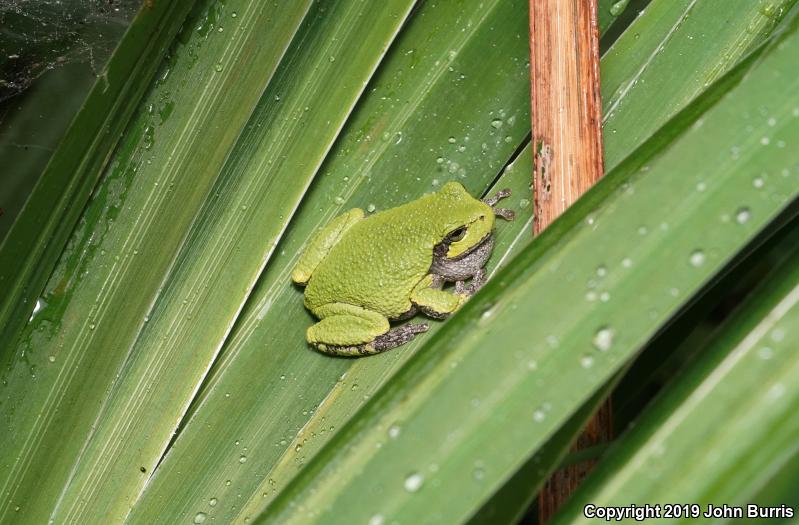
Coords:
170,342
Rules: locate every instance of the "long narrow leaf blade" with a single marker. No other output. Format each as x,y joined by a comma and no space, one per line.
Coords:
59,375
718,434
31,248
698,43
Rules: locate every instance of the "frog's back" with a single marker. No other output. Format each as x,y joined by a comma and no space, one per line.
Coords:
378,262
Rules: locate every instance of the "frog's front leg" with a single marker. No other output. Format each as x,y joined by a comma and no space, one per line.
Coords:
348,330
477,282
433,301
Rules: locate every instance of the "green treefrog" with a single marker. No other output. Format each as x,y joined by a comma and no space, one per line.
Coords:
362,272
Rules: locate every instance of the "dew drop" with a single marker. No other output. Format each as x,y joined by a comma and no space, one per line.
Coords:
200,517
765,353
617,7
377,519
539,415
742,215
496,123
478,473
487,312
601,271
451,140
697,258
218,69
414,482
439,160
603,339
587,361
758,182
243,459
393,431
371,208
339,200
626,262
51,359
212,502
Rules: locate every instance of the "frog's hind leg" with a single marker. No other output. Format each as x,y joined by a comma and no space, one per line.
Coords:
348,330
398,336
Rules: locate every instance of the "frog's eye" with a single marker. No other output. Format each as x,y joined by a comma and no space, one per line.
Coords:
458,234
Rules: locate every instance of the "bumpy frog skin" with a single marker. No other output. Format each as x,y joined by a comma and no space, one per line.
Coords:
362,272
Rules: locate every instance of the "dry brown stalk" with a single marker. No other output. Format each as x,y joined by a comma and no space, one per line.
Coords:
567,142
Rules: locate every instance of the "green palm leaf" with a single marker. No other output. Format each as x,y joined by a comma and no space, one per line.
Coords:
170,343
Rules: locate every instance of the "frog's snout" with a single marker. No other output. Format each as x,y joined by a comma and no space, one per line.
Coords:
505,213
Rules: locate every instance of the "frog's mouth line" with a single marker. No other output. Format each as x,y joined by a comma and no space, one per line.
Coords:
440,250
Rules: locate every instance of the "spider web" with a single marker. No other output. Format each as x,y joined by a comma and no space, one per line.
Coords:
39,35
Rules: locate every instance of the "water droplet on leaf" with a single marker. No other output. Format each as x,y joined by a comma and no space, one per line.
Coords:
697,258
414,482
603,339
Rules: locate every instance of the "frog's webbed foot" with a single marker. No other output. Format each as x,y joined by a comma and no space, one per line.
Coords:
477,282
398,336
505,213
